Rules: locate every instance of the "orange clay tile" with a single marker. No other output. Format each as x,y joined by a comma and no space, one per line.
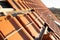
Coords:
34,24
30,27
10,23
35,20
13,5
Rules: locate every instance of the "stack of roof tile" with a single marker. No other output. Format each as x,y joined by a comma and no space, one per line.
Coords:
28,20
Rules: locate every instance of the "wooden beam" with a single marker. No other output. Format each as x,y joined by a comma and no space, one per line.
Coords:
6,9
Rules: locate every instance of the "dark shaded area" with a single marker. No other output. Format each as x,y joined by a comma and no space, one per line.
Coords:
1,14
5,4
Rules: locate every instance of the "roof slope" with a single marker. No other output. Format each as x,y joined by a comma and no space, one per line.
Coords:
28,20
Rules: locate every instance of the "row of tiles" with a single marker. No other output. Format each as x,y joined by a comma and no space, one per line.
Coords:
28,25
40,9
